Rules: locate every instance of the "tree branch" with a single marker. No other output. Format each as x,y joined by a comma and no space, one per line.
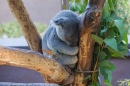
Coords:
28,28
34,61
89,24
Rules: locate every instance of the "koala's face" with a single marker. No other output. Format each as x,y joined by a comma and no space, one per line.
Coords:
67,30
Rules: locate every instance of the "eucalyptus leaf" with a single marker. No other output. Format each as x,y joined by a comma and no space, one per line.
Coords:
109,54
111,5
109,78
112,66
111,32
111,42
104,30
102,55
120,26
104,64
103,72
115,53
97,39
105,12
125,38
72,6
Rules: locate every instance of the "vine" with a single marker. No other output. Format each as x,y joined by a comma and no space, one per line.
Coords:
111,40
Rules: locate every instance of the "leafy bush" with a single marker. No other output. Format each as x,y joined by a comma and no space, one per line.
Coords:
122,10
12,29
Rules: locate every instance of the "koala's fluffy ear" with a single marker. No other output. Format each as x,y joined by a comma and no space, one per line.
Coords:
60,21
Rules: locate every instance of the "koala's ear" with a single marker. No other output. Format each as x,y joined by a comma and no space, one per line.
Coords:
60,21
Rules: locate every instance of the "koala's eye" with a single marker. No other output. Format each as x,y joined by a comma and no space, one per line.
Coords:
68,38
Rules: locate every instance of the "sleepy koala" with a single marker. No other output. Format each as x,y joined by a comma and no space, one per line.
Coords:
62,37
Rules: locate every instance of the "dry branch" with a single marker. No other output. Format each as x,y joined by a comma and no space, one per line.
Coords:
28,28
34,61
90,23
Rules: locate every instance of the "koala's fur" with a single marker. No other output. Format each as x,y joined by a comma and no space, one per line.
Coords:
62,37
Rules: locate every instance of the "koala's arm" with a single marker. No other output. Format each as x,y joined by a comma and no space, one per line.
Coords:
55,44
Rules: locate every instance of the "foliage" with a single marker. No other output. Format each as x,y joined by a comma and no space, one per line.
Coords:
124,14
12,29
111,39
125,82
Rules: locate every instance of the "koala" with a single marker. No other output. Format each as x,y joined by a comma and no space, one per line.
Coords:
62,38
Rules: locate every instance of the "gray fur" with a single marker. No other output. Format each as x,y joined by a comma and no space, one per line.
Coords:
62,37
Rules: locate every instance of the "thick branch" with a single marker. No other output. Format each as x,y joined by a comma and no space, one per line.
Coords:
90,23
28,28
34,61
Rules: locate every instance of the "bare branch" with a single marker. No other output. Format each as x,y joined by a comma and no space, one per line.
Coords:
28,28
34,61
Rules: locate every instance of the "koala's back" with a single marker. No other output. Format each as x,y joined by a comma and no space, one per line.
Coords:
45,37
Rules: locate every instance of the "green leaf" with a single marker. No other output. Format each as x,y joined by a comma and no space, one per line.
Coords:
104,64
111,4
103,72
102,55
104,30
122,47
105,12
125,38
115,53
111,42
82,8
109,77
97,39
108,53
112,66
72,6
111,32
118,38
120,25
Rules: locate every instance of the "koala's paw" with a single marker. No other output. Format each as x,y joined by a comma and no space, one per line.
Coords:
71,65
67,60
74,51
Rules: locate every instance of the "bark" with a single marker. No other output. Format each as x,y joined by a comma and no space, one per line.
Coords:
89,24
35,61
28,28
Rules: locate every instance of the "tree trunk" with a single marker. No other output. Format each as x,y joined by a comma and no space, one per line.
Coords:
89,24
28,28
35,61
